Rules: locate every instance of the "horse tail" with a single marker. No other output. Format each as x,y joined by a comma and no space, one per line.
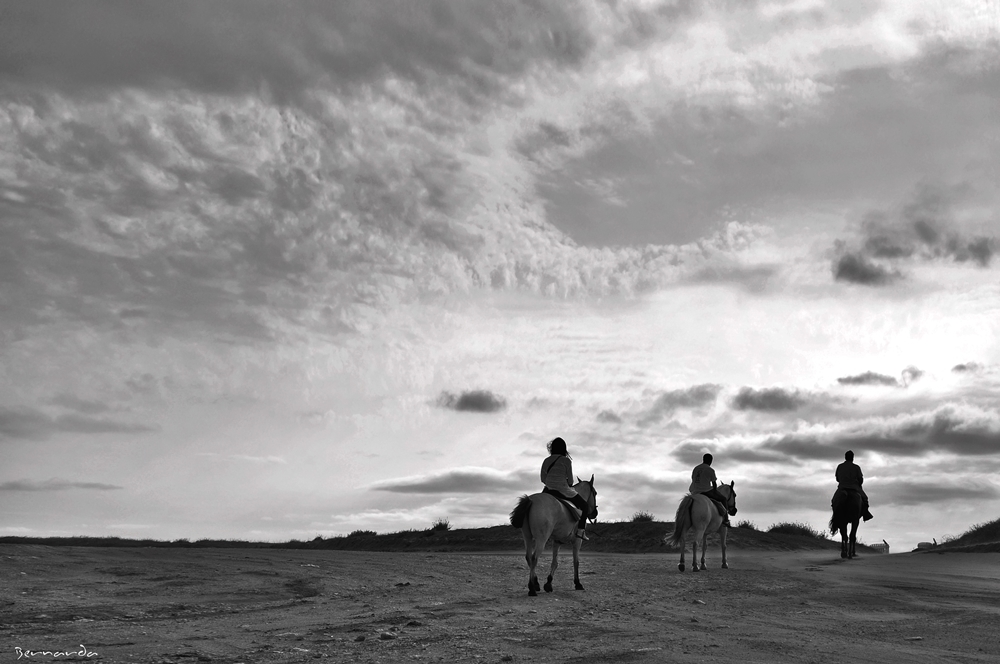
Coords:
682,521
837,517
520,512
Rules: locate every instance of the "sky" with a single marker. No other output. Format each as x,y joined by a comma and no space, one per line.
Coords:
287,270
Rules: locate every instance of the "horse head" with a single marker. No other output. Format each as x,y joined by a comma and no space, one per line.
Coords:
730,493
590,493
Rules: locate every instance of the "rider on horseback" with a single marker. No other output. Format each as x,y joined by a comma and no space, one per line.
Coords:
703,481
850,477
557,475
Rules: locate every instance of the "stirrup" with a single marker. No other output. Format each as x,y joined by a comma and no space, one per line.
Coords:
582,534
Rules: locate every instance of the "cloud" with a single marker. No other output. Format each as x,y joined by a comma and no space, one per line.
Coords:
609,416
694,397
30,424
911,492
911,375
475,401
922,228
858,269
460,480
955,429
967,367
869,378
55,484
231,47
771,399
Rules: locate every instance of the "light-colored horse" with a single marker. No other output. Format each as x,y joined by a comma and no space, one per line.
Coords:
698,513
847,508
541,516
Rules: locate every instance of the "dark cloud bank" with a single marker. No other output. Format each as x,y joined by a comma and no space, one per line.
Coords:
476,401
773,399
922,229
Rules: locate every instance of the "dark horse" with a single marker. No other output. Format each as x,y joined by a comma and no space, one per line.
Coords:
846,509
541,516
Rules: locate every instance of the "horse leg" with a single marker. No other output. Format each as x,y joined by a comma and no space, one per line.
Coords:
722,542
854,540
694,553
704,547
576,564
680,565
531,556
843,541
555,564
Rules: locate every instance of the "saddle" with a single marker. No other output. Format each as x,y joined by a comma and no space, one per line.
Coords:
574,511
842,494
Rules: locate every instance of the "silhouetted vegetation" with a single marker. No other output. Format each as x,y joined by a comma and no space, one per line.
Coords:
611,537
803,529
747,525
642,516
981,533
441,524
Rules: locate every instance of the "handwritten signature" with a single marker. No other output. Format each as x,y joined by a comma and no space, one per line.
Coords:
82,652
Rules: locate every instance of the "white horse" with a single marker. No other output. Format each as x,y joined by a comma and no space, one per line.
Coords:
698,513
540,516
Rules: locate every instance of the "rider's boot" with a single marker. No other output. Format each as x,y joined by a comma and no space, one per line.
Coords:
582,534
868,515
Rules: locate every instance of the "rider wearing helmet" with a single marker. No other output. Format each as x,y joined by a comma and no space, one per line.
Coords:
849,476
703,481
557,476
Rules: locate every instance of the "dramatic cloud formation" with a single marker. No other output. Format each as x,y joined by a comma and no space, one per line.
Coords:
920,229
279,248
476,401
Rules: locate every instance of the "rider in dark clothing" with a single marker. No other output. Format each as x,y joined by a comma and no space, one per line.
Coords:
703,481
849,476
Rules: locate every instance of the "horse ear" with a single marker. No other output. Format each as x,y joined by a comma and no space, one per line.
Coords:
578,480
591,478
732,483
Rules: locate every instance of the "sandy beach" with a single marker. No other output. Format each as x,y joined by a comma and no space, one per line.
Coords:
254,605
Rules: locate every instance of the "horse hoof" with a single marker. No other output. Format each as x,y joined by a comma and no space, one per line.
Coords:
547,587
532,593
680,568
725,565
703,567
579,586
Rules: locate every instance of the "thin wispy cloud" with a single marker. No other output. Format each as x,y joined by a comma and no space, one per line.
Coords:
56,484
458,480
31,424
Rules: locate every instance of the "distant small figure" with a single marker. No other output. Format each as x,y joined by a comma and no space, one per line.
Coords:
557,476
849,476
704,481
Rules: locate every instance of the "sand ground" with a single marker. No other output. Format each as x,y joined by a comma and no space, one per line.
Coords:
262,606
